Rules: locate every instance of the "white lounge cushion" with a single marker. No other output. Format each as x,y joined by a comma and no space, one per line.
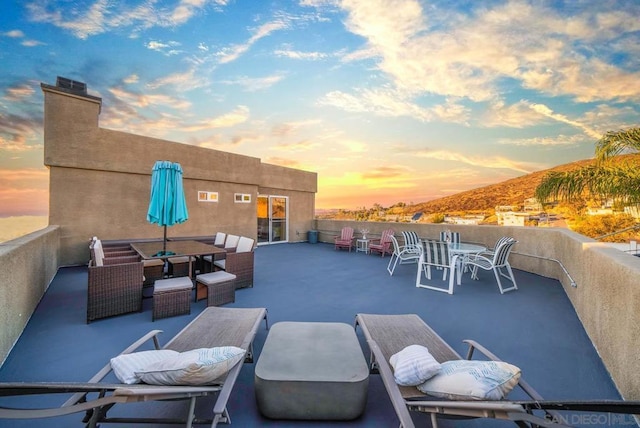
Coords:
197,367
472,380
220,263
125,366
413,365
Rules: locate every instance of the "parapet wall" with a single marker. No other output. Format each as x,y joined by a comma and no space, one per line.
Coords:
27,266
606,295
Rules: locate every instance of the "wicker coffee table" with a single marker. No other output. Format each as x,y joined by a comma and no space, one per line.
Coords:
311,371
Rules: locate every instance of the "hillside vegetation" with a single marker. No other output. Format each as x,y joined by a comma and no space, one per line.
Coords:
510,192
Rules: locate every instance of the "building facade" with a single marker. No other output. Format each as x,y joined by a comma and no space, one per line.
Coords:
100,181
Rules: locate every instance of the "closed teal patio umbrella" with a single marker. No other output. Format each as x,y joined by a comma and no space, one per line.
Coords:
167,205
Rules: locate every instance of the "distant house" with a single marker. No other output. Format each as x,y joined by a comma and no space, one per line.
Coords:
416,217
532,204
469,219
511,218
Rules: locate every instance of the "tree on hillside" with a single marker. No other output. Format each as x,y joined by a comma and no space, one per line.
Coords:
604,180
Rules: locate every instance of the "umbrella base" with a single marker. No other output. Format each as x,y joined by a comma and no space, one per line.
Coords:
164,253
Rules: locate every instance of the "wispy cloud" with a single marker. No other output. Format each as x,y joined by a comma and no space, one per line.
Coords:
232,53
18,133
235,117
14,34
19,92
147,99
185,81
253,84
557,140
468,55
24,191
312,56
290,128
548,112
103,15
289,163
168,48
494,162
18,34
389,102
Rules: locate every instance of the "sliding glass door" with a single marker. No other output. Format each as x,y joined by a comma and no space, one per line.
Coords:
272,219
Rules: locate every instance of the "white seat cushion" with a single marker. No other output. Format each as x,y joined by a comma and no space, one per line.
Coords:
244,245
220,263
232,241
178,283
214,277
179,259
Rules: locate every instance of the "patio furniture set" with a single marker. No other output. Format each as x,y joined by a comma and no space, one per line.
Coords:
296,375
447,254
119,272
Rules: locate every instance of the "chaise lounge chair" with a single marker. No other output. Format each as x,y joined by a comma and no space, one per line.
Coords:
214,327
386,335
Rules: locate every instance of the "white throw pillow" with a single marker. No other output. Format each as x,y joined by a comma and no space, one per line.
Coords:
472,380
197,367
125,366
413,365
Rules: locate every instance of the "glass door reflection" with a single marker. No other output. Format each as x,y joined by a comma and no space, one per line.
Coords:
272,219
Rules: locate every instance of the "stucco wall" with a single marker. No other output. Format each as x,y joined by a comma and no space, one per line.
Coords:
100,181
607,293
27,266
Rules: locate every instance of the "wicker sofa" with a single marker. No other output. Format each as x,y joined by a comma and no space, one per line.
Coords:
114,284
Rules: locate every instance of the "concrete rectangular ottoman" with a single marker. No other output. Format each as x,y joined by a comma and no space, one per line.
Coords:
311,371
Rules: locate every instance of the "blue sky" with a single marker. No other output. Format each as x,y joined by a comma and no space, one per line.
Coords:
388,101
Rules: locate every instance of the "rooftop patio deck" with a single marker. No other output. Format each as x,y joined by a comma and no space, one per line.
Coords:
534,328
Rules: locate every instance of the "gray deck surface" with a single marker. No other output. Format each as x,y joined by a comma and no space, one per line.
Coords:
534,328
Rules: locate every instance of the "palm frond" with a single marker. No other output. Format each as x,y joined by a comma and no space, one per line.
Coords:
603,182
617,142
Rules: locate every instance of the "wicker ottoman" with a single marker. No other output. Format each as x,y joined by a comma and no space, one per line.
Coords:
179,266
172,297
153,271
218,287
313,371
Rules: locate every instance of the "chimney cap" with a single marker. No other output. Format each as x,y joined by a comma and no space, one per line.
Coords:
72,86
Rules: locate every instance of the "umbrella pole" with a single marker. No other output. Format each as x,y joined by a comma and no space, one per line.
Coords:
164,242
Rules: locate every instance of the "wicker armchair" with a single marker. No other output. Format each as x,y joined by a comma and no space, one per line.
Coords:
114,285
239,263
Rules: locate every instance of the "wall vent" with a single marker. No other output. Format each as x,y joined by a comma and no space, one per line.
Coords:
73,86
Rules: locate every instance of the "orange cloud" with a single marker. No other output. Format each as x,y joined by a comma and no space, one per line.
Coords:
24,192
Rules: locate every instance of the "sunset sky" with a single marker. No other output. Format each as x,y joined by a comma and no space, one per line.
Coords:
387,100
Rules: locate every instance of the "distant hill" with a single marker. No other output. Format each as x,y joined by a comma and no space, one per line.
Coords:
510,192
